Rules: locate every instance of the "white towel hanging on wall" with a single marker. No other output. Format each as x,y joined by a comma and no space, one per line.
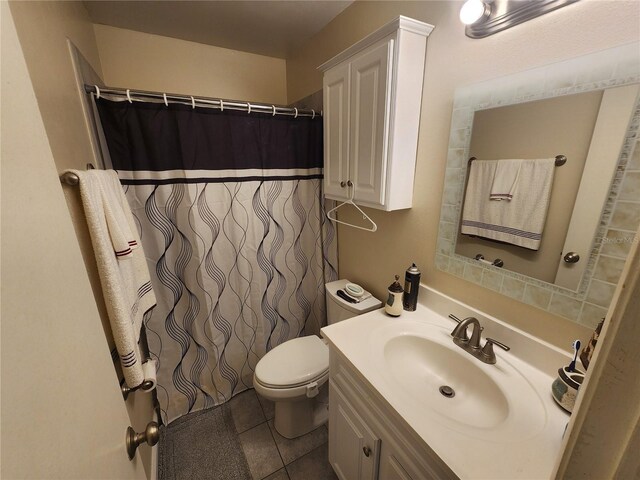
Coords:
122,266
505,179
520,221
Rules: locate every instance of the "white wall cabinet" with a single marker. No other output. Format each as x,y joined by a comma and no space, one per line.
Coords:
367,439
372,100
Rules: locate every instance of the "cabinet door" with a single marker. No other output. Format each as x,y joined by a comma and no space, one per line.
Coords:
395,466
391,469
336,131
370,96
353,447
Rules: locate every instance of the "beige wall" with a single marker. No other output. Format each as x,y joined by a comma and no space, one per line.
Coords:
43,29
454,60
542,129
151,62
62,413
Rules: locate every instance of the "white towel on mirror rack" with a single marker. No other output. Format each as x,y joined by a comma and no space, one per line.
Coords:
505,179
519,222
125,280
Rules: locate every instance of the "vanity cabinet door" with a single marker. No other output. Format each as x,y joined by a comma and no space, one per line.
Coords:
336,134
391,469
354,449
395,466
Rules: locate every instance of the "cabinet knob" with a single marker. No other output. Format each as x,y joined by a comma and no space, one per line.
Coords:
343,184
366,451
349,183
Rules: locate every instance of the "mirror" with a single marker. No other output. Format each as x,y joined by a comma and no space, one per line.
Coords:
586,110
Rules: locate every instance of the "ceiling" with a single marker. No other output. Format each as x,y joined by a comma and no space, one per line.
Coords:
273,28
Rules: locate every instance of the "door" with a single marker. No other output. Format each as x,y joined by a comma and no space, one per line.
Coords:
610,129
63,415
353,447
370,97
336,132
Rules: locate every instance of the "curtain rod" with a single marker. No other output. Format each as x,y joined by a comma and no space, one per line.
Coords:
221,104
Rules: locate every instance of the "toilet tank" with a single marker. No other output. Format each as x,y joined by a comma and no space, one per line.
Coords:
339,309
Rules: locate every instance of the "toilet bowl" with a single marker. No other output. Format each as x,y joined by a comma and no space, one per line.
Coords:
294,374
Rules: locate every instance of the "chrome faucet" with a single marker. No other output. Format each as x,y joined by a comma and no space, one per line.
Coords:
461,338
472,345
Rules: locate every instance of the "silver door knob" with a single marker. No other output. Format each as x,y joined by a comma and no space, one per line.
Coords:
151,435
572,257
366,451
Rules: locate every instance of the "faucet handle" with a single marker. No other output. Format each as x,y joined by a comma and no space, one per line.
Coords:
499,344
488,355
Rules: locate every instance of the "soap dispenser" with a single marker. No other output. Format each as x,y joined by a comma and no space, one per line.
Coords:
393,306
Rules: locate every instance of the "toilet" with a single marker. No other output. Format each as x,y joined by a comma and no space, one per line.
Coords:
294,374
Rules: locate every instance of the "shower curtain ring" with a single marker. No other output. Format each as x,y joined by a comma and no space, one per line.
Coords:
129,96
296,116
274,110
164,95
193,103
248,107
97,91
221,105
313,114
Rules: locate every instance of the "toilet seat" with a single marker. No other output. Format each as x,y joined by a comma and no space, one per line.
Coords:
294,363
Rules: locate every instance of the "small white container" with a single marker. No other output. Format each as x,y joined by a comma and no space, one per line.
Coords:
393,305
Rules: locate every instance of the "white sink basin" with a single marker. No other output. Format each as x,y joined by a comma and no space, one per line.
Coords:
422,366
492,402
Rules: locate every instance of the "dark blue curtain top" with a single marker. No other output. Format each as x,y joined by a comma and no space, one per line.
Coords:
154,137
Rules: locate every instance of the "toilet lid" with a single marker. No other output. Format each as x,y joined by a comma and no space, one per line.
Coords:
293,363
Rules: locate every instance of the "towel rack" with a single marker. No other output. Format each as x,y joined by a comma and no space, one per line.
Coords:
144,348
560,160
496,263
71,178
373,227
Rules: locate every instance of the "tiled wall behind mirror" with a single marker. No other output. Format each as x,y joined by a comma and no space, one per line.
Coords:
588,302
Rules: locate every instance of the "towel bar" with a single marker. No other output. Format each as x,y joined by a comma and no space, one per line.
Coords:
496,263
144,349
560,160
144,386
71,178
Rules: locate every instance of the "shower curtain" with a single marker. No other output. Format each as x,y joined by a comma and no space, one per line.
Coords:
230,209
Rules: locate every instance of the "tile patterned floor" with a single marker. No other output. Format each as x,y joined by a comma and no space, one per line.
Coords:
271,456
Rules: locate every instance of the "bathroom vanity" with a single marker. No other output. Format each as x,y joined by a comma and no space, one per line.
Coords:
405,402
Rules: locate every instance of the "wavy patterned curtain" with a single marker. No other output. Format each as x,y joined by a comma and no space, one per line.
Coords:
231,215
